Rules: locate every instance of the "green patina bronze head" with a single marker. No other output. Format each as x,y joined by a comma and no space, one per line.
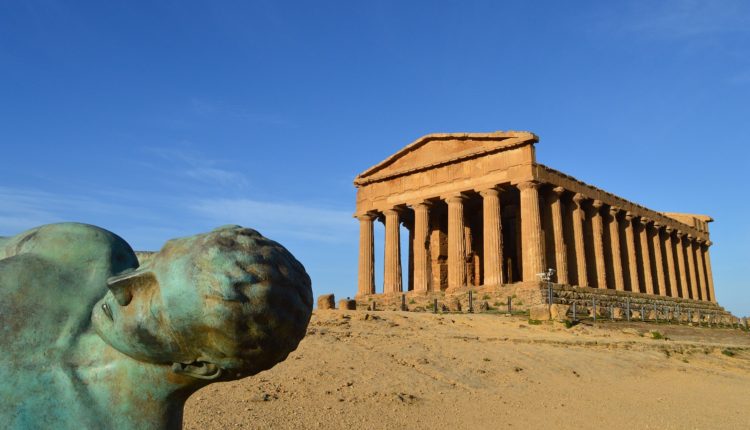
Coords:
228,303
93,340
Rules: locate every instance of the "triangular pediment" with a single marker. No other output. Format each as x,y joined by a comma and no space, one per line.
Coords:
443,148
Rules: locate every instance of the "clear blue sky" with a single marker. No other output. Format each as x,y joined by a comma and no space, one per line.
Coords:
163,119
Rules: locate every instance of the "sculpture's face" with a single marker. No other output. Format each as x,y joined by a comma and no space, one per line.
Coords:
148,319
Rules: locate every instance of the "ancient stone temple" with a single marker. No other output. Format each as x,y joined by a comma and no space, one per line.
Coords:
481,212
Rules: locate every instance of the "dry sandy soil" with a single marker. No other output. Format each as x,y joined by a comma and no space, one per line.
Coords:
385,370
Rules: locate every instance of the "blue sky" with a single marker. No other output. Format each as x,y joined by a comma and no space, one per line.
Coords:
163,119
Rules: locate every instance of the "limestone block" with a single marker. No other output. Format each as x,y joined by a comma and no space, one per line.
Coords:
454,305
635,315
326,301
559,312
539,312
484,307
651,315
347,304
618,313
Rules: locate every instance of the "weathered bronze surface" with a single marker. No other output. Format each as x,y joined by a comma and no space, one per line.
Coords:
91,340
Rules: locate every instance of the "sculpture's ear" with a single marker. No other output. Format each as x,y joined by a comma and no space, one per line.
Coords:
123,285
197,369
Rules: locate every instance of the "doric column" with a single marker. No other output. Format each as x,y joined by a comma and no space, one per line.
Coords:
561,252
420,246
671,270
493,237
632,256
701,270
583,280
392,277
680,248
456,245
614,240
658,260
366,275
648,280
691,267
532,243
598,228
709,275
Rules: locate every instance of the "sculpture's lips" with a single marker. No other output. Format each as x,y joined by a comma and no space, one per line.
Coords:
107,311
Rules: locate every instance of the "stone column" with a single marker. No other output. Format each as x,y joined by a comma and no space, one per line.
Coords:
456,245
561,252
614,239
680,248
583,280
669,248
493,237
658,260
632,256
420,246
709,275
392,283
366,275
598,228
648,279
691,267
532,243
701,270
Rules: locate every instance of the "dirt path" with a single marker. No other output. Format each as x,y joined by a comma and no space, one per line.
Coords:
381,370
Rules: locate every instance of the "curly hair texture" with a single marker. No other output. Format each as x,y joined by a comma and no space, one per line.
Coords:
257,298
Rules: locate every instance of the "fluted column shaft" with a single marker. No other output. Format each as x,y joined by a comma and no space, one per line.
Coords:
648,280
493,237
707,259
669,248
392,281
532,243
701,271
691,268
561,252
420,246
658,261
598,229
456,245
680,248
632,256
583,280
614,239
366,275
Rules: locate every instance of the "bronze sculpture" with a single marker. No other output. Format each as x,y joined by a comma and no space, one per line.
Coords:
93,340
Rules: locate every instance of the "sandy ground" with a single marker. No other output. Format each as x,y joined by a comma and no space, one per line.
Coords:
386,370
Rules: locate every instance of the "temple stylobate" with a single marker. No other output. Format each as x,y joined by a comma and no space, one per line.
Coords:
481,212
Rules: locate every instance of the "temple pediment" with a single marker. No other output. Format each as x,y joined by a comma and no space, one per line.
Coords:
437,149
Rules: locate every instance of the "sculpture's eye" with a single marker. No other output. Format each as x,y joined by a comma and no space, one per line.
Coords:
122,286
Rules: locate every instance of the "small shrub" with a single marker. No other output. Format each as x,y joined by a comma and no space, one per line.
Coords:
486,359
411,302
728,352
534,322
497,304
656,335
519,303
486,297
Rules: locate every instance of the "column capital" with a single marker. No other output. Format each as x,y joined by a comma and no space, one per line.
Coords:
614,210
657,225
629,216
597,204
492,191
421,204
578,198
396,210
669,229
455,197
528,184
645,220
690,237
709,243
367,216
558,190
